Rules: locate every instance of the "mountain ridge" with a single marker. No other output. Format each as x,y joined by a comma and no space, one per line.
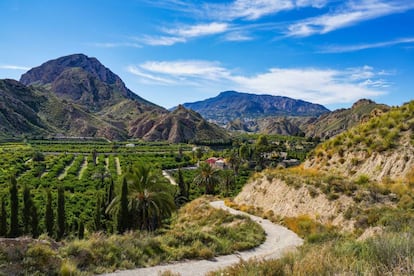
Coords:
231,105
81,97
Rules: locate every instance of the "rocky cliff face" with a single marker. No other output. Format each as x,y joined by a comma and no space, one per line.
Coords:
288,201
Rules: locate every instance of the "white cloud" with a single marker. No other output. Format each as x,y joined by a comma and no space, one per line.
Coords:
237,36
350,14
14,67
359,47
251,10
183,33
325,86
199,30
163,40
149,78
187,69
311,3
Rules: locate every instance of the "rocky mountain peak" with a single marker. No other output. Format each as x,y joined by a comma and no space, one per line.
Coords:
362,102
82,79
50,70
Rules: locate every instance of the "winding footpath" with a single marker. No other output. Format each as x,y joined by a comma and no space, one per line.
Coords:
278,241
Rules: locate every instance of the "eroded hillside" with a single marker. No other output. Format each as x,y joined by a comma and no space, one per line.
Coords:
381,148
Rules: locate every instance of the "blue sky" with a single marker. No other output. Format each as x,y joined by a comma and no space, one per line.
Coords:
175,51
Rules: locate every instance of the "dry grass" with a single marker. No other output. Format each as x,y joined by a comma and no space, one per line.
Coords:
197,232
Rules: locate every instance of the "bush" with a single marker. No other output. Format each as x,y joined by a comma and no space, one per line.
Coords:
362,179
41,258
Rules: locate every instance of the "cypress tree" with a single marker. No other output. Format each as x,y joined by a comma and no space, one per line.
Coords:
98,214
110,195
49,219
81,230
184,190
123,214
14,208
27,206
61,213
3,218
34,221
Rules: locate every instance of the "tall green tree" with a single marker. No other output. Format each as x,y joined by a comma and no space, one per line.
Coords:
184,189
227,181
98,215
49,216
61,216
149,198
110,193
27,206
234,161
3,218
14,208
119,206
34,220
81,230
207,177
245,152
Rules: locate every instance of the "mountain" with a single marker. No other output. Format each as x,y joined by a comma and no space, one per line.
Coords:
271,125
82,79
76,95
19,106
231,105
181,125
325,126
33,112
380,148
333,123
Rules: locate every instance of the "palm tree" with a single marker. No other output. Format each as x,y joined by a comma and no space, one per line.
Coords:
228,179
149,199
234,161
208,177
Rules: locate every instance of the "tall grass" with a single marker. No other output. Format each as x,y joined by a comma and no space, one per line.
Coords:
198,231
388,254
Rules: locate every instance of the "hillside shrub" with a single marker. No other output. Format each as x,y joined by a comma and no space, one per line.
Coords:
41,258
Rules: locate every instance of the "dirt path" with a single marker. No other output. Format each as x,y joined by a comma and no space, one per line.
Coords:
107,164
118,166
65,171
83,167
169,177
278,240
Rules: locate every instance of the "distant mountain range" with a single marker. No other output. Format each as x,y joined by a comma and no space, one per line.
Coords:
76,95
231,105
244,112
324,126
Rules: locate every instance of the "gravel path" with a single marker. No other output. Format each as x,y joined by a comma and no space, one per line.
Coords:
169,177
278,240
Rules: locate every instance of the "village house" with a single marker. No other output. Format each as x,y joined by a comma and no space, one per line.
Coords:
217,162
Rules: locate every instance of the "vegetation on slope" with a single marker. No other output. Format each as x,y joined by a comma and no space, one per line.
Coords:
388,254
382,213
198,231
382,147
